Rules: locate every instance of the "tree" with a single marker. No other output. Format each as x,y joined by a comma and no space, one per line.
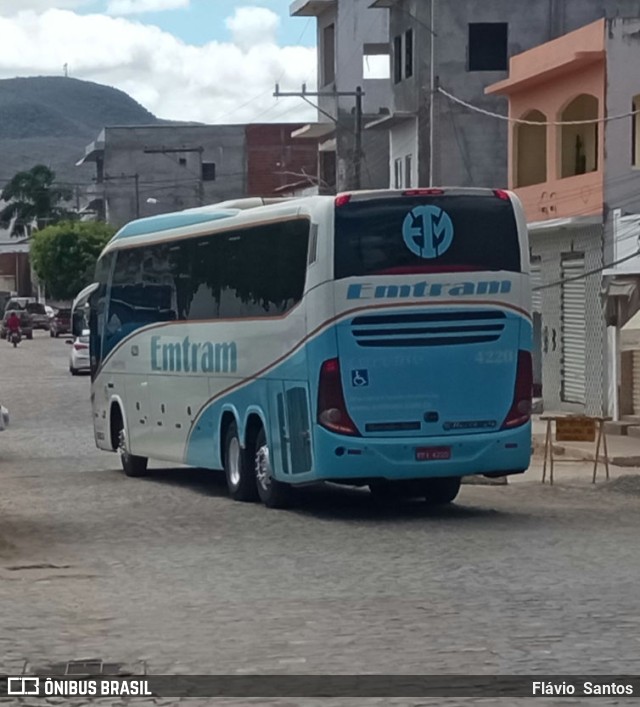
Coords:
32,199
64,256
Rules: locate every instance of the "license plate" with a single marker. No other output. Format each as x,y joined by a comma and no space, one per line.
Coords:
426,454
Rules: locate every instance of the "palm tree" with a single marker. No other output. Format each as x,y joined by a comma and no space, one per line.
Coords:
32,200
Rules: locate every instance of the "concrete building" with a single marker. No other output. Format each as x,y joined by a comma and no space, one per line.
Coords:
353,51
471,43
142,171
573,164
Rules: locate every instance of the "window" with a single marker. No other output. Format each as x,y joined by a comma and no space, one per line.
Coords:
208,171
397,59
635,132
408,54
328,54
488,46
369,236
375,66
182,161
253,272
397,178
408,172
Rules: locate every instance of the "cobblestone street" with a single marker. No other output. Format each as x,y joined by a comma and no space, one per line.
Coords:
520,578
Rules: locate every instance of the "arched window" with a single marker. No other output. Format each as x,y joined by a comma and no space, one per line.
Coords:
579,143
530,150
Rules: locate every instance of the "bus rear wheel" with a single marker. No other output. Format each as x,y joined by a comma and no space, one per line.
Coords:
237,468
439,492
132,465
273,493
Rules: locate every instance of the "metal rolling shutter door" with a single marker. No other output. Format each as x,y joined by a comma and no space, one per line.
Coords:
536,281
573,332
636,383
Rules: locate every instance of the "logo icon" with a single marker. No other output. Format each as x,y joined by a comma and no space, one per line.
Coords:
428,231
360,378
23,686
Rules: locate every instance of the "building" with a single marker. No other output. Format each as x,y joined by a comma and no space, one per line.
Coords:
143,171
353,52
15,268
574,149
470,42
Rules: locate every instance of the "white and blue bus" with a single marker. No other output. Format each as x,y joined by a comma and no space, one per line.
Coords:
377,338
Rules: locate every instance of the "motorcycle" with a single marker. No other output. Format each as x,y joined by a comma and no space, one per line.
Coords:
15,337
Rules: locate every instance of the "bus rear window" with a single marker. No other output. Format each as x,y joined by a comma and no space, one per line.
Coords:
441,234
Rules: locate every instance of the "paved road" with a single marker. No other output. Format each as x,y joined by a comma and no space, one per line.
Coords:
514,579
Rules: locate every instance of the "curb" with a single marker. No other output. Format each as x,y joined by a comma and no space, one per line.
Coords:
585,455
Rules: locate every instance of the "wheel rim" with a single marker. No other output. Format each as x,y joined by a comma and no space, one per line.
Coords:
233,455
122,444
263,467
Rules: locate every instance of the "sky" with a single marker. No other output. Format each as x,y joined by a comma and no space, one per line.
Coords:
211,61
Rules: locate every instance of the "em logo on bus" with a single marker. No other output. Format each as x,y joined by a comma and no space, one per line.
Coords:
427,231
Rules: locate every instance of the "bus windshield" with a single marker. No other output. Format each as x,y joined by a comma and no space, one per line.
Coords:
418,234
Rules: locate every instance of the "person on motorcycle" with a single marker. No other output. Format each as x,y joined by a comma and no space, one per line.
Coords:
13,324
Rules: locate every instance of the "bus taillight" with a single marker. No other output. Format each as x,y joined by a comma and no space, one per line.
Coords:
332,409
520,411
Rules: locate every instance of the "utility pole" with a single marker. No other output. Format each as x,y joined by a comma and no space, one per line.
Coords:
357,94
432,91
136,178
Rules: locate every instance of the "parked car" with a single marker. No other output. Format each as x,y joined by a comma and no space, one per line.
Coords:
60,323
39,317
25,323
4,418
79,357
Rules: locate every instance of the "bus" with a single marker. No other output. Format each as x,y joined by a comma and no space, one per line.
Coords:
374,338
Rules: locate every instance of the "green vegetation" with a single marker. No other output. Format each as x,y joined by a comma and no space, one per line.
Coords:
64,256
33,201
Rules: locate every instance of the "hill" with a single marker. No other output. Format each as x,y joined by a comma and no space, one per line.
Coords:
50,120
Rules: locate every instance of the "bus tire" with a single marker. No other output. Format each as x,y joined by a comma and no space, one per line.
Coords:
241,481
439,492
273,493
132,465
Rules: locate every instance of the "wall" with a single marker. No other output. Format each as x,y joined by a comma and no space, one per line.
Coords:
162,177
356,25
274,158
403,141
622,180
471,148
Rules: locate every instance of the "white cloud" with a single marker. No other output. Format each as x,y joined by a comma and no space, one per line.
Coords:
13,7
252,26
138,7
216,82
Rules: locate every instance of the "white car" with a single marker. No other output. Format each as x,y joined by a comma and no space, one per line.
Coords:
79,357
4,418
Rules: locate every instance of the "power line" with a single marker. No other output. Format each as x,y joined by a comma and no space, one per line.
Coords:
584,275
520,121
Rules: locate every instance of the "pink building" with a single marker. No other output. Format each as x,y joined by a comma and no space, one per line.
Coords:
574,161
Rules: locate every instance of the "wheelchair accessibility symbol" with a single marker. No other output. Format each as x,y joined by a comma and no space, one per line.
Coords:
360,378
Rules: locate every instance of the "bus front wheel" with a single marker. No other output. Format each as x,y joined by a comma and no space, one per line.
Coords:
237,468
439,492
273,493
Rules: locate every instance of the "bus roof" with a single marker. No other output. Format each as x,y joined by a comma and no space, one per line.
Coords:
154,225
